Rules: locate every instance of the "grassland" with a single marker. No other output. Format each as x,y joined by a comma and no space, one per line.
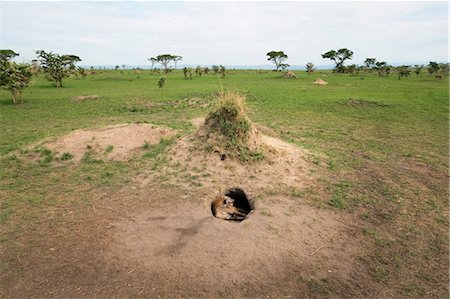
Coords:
380,144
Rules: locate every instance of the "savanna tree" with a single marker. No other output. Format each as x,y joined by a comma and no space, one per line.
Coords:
6,54
339,57
215,69
164,60
199,70
153,61
352,69
175,59
57,67
187,72
418,69
206,70
310,68
403,71
278,57
433,67
369,63
382,68
13,76
222,71
444,68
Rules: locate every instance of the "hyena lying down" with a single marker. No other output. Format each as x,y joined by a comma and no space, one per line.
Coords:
233,205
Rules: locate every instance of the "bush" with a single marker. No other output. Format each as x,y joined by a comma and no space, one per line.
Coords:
231,128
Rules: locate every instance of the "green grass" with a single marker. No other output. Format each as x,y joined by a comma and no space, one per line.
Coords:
380,144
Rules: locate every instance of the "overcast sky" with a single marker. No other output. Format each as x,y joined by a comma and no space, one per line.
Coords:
229,33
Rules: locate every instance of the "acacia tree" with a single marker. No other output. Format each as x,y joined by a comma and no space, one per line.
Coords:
418,69
175,59
164,60
13,77
6,54
403,71
339,57
199,71
433,67
222,71
310,68
382,68
57,67
369,63
278,57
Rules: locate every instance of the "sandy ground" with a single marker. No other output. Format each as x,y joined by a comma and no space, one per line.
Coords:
156,237
122,140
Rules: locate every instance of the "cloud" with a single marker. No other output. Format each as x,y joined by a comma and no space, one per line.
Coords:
227,32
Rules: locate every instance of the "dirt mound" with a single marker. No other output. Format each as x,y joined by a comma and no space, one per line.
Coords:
284,247
320,82
117,142
85,98
289,74
228,129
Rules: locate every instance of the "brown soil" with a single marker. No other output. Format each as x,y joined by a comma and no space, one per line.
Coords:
289,74
117,142
84,98
320,82
156,237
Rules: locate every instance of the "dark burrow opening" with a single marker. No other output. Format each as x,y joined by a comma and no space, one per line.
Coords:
232,205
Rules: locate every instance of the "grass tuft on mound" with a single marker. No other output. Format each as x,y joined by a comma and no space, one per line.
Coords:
231,129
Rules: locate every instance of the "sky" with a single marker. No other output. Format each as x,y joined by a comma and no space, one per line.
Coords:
228,33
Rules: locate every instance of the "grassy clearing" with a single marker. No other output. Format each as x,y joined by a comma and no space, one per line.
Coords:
381,144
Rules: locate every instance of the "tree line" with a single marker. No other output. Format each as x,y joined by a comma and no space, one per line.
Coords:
16,76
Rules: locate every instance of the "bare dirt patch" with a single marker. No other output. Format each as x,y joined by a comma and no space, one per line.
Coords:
285,247
319,81
117,142
85,98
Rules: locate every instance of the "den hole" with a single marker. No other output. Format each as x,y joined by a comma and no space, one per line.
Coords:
232,205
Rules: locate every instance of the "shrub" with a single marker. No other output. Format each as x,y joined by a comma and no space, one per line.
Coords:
231,128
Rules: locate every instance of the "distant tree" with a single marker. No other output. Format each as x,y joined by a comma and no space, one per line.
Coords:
339,57
13,76
403,71
352,69
57,67
284,66
164,60
116,67
418,69
277,57
187,73
310,68
215,69
153,60
222,71
6,54
124,66
369,63
444,68
433,67
206,70
199,71
175,59
381,67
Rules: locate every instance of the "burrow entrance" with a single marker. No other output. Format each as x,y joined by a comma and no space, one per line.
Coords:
232,205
